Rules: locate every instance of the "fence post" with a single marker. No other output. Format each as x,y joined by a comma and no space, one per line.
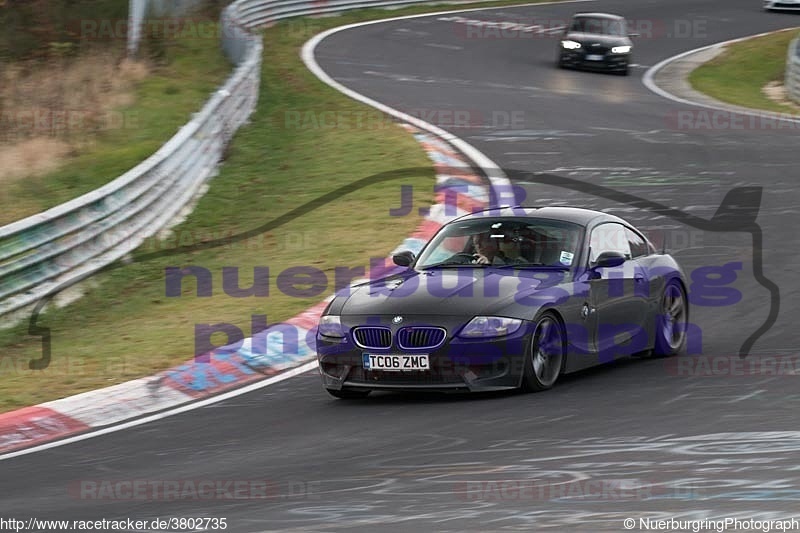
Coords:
136,12
792,79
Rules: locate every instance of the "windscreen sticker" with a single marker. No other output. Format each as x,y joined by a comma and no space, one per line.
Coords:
566,258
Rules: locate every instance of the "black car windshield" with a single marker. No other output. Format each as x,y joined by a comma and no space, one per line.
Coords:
598,26
493,241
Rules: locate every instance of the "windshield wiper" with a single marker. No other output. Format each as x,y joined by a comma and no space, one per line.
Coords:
533,265
454,264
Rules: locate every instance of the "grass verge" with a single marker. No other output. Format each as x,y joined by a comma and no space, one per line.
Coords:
126,327
163,101
739,74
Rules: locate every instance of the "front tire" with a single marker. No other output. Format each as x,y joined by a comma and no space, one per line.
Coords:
544,360
348,394
672,321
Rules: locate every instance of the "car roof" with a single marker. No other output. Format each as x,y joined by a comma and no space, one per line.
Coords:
576,215
599,15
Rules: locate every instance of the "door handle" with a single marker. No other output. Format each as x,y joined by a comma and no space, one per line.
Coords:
638,278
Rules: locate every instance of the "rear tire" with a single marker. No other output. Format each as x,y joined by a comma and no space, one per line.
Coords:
544,360
671,321
348,394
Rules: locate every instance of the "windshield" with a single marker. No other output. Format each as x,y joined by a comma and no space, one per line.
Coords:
504,241
598,26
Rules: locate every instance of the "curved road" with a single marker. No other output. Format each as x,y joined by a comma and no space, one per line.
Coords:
640,438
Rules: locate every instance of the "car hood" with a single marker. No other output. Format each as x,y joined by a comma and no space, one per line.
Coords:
606,40
444,291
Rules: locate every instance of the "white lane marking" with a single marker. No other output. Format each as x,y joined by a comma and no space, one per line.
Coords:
413,32
649,77
492,170
449,81
675,399
445,46
622,130
504,26
158,416
525,153
533,153
747,396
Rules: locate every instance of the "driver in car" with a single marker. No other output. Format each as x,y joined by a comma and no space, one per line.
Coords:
491,251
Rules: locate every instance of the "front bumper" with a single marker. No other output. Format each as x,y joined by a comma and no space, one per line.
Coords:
609,61
458,365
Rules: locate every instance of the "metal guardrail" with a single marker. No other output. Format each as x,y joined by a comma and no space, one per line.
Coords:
51,250
792,81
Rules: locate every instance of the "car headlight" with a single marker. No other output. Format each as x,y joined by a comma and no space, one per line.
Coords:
570,45
331,326
621,49
490,326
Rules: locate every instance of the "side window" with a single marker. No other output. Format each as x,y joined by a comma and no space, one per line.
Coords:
637,243
608,237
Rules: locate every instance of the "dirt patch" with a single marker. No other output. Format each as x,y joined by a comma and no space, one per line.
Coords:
31,158
95,82
776,91
49,110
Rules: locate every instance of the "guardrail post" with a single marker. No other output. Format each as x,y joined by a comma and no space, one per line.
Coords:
792,79
136,12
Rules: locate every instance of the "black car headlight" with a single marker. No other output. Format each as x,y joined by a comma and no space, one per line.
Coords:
621,49
570,45
331,326
482,327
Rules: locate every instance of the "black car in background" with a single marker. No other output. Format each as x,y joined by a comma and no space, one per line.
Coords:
505,298
596,41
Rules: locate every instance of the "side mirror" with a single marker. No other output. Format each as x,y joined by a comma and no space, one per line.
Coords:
404,258
609,260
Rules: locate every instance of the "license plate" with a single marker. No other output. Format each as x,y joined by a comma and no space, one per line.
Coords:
396,362
594,57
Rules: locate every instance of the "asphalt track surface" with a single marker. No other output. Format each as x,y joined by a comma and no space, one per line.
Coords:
638,438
